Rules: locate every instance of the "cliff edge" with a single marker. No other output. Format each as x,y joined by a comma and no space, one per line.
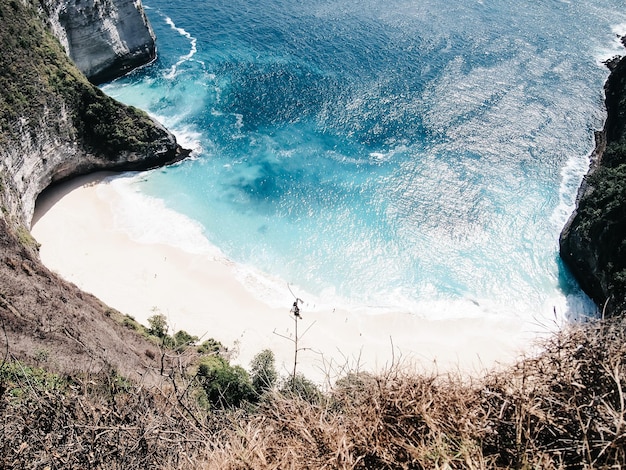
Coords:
104,38
54,124
593,242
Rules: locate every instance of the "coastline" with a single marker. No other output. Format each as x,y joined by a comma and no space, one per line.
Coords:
200,293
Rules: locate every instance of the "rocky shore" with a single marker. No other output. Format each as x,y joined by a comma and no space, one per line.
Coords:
593,242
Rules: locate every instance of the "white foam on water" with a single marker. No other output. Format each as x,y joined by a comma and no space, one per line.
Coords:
188,137
615,48
619,30
546,313
183,58
571,177
148,220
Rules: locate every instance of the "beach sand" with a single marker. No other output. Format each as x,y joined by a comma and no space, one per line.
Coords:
201,294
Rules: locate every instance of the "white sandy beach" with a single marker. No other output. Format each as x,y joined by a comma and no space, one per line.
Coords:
201,294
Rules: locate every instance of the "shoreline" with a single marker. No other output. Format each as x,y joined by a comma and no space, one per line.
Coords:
201,294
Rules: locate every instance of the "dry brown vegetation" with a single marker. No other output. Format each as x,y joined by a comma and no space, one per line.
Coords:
45,317
564,408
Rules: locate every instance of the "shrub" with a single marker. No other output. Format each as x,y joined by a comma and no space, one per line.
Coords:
182,339
301,387
212,347
130,323
226,386
158,325
263,371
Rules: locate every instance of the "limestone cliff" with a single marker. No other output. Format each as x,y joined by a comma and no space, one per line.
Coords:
593,243
54,124
104,38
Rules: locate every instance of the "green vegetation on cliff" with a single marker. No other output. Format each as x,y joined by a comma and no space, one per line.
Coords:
603,221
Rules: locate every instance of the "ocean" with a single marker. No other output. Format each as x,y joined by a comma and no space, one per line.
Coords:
408,156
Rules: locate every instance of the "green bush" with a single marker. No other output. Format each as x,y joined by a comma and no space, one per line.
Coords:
263,371
301,387
130,323
182,339
158,325
212,347
15,375
225,386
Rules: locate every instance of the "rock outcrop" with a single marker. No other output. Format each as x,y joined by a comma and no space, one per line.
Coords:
593,243
55,124
104,38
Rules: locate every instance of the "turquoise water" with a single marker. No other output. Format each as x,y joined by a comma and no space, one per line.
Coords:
417,156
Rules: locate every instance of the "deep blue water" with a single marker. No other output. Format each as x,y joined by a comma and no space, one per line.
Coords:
418,156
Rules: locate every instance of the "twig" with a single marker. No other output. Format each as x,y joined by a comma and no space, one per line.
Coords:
294,295
305,331
6,338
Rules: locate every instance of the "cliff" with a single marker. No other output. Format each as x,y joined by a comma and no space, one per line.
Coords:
593,242
54,124
104,38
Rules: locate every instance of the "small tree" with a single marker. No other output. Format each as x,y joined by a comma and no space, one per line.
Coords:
295,311
263,371
158,325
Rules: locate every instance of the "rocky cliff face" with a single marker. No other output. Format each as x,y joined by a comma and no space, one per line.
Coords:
54,124
593,243
104,38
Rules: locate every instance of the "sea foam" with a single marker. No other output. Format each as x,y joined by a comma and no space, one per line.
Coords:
186,57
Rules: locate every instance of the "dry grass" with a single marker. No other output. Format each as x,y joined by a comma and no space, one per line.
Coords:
393,421
565,407
562,409
98,421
